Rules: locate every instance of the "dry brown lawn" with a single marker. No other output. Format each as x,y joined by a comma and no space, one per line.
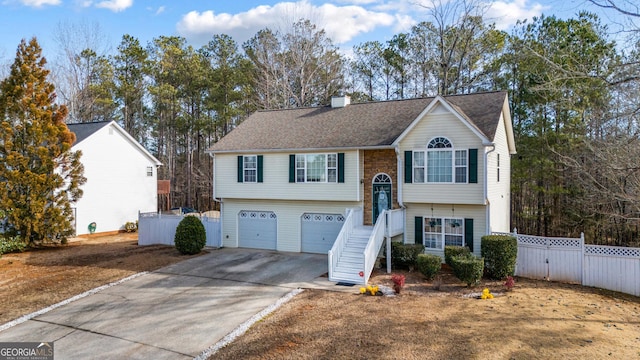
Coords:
35,279
537,320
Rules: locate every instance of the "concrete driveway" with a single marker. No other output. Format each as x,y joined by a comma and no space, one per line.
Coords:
176,312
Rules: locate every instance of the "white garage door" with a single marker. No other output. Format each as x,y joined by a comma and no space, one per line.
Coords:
257,229
319,231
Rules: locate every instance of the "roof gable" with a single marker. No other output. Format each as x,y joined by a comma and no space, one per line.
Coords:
360,125
84,131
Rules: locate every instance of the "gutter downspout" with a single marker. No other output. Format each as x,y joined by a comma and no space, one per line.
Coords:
213,181
399,197
486,190
213,193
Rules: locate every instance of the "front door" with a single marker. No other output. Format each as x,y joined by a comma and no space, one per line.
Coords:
382,196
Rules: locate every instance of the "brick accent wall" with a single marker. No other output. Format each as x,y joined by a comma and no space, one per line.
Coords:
375,162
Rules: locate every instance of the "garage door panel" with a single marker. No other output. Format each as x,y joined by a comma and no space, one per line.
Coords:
257,229
319,231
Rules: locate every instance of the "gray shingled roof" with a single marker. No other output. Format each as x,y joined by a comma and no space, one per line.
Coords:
372,124
84,130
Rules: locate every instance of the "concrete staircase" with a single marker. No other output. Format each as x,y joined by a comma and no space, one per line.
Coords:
351,263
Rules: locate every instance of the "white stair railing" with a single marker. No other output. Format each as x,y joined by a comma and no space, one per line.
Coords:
370,253
341,241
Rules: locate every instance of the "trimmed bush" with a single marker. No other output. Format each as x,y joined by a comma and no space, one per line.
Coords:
468,268
499,253
190,236
453,250
405,255
9,244
429,265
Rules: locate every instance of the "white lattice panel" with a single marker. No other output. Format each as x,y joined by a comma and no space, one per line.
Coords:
532,240
571,243
612,251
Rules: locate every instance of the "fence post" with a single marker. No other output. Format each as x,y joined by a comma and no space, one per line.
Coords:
582,273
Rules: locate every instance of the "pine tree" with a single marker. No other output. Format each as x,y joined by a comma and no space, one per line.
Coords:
40,175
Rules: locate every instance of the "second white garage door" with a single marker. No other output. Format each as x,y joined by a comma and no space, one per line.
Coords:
319,231
258,229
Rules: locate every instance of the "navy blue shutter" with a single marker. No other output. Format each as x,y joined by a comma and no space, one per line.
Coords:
292,168
419,230
408,167
468,233
240,169
473,166
340,167
260,167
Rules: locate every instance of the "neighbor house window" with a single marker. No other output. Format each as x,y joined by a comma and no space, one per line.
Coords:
498,169
250,168
440,163
149,170
440,232
317,168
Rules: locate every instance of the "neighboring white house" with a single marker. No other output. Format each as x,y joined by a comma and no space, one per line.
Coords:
286,178
121,177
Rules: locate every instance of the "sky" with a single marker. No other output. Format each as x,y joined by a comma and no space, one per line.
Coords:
101,23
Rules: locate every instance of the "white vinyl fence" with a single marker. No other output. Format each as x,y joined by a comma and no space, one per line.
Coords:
154,228
570,260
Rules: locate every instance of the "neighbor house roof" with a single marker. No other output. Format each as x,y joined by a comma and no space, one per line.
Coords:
360,125
84,130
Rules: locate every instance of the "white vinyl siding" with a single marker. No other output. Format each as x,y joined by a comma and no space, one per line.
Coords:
118,182
499,192
276,183
444,124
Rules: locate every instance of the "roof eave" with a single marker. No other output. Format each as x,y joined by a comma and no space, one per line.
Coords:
289,150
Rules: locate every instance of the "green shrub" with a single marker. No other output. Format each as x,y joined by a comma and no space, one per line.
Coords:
468,268
452,250
190,236
405,255
429,265
11,244
499,252
131,226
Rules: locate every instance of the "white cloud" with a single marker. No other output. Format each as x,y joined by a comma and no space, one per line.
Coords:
39,3
341,23
160,10
506,14
115,5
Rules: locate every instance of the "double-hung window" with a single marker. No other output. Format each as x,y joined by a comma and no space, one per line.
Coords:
440,163
440,232
317,168
250,168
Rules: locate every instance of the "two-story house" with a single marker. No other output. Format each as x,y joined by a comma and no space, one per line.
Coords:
121,178
289,180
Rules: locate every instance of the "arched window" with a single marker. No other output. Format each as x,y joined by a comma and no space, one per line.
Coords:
382,178
440,163
439,143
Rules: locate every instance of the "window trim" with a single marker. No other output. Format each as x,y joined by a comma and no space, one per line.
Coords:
245,169
149,171
328,177
433,146
440,240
